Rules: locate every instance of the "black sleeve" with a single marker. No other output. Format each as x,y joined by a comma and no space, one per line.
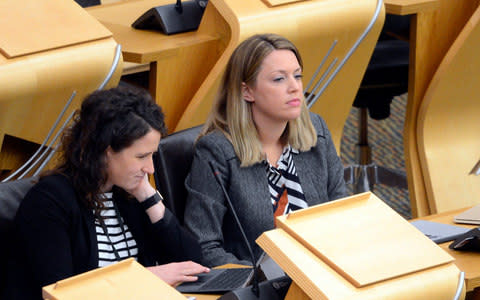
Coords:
42,231
173,242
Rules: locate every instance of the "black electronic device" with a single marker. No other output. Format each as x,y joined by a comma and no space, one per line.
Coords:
172,18
274,289
469,241
218,281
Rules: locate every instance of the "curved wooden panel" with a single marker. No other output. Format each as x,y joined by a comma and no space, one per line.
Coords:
35,88
448,133
432,32
46,69
312,26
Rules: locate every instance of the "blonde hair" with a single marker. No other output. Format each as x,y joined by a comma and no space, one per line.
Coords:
233,116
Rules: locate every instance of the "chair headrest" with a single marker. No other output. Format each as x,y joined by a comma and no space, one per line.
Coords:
172,164
11,194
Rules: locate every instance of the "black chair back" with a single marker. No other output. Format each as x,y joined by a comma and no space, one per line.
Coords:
387,72
11,194
172,164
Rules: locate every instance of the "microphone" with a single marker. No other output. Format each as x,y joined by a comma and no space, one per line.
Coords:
255,284
173,18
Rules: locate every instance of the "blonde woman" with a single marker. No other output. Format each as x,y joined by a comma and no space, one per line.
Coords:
272,155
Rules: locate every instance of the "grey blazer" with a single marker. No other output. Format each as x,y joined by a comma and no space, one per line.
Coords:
207,215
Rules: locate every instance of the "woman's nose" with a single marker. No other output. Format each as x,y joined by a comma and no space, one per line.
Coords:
295,84
149,167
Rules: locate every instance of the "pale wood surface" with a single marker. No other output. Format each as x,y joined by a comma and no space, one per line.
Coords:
466,261
312,26
295,293
126,277
280,2
131,68
408,7
36,86
124,280
333,231
30,26
432,31
318,281
448,125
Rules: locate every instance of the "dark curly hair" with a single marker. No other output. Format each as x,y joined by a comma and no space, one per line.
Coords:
117,118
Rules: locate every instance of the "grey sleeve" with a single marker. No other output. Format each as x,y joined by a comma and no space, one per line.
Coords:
206,205
336,181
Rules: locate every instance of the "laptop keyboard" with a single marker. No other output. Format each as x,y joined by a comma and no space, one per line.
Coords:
228,280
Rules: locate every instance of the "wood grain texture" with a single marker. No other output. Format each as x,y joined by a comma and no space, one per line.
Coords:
36,85
333,231
448,131
315,278
432,32
123,280
29,26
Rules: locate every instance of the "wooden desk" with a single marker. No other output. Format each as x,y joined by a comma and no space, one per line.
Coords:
42,61
172,89
469,262
204,296
434,26
409,7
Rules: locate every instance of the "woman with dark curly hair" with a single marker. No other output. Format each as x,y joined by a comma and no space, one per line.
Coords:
97,206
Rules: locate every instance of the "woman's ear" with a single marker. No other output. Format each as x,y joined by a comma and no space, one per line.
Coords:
247,93
108,152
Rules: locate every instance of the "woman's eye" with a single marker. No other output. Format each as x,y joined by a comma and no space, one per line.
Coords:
277,79
299,76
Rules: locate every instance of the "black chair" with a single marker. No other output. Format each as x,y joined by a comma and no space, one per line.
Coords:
11,194
172,164
386,77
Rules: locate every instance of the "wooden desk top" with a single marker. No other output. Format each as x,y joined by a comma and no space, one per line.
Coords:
408,7
142,46
469,262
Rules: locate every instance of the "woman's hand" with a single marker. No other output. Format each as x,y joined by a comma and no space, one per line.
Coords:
176,273
143,190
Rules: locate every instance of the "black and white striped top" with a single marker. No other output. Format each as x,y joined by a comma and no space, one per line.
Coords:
117,243
283,181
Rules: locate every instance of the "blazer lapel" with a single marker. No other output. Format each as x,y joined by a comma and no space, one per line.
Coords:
89,221
306,174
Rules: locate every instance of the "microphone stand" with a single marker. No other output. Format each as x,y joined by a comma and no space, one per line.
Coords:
179,6
476,169
255,288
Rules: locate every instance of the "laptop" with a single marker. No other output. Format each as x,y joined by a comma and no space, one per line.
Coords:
439,232
470,216
228,279
218,281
